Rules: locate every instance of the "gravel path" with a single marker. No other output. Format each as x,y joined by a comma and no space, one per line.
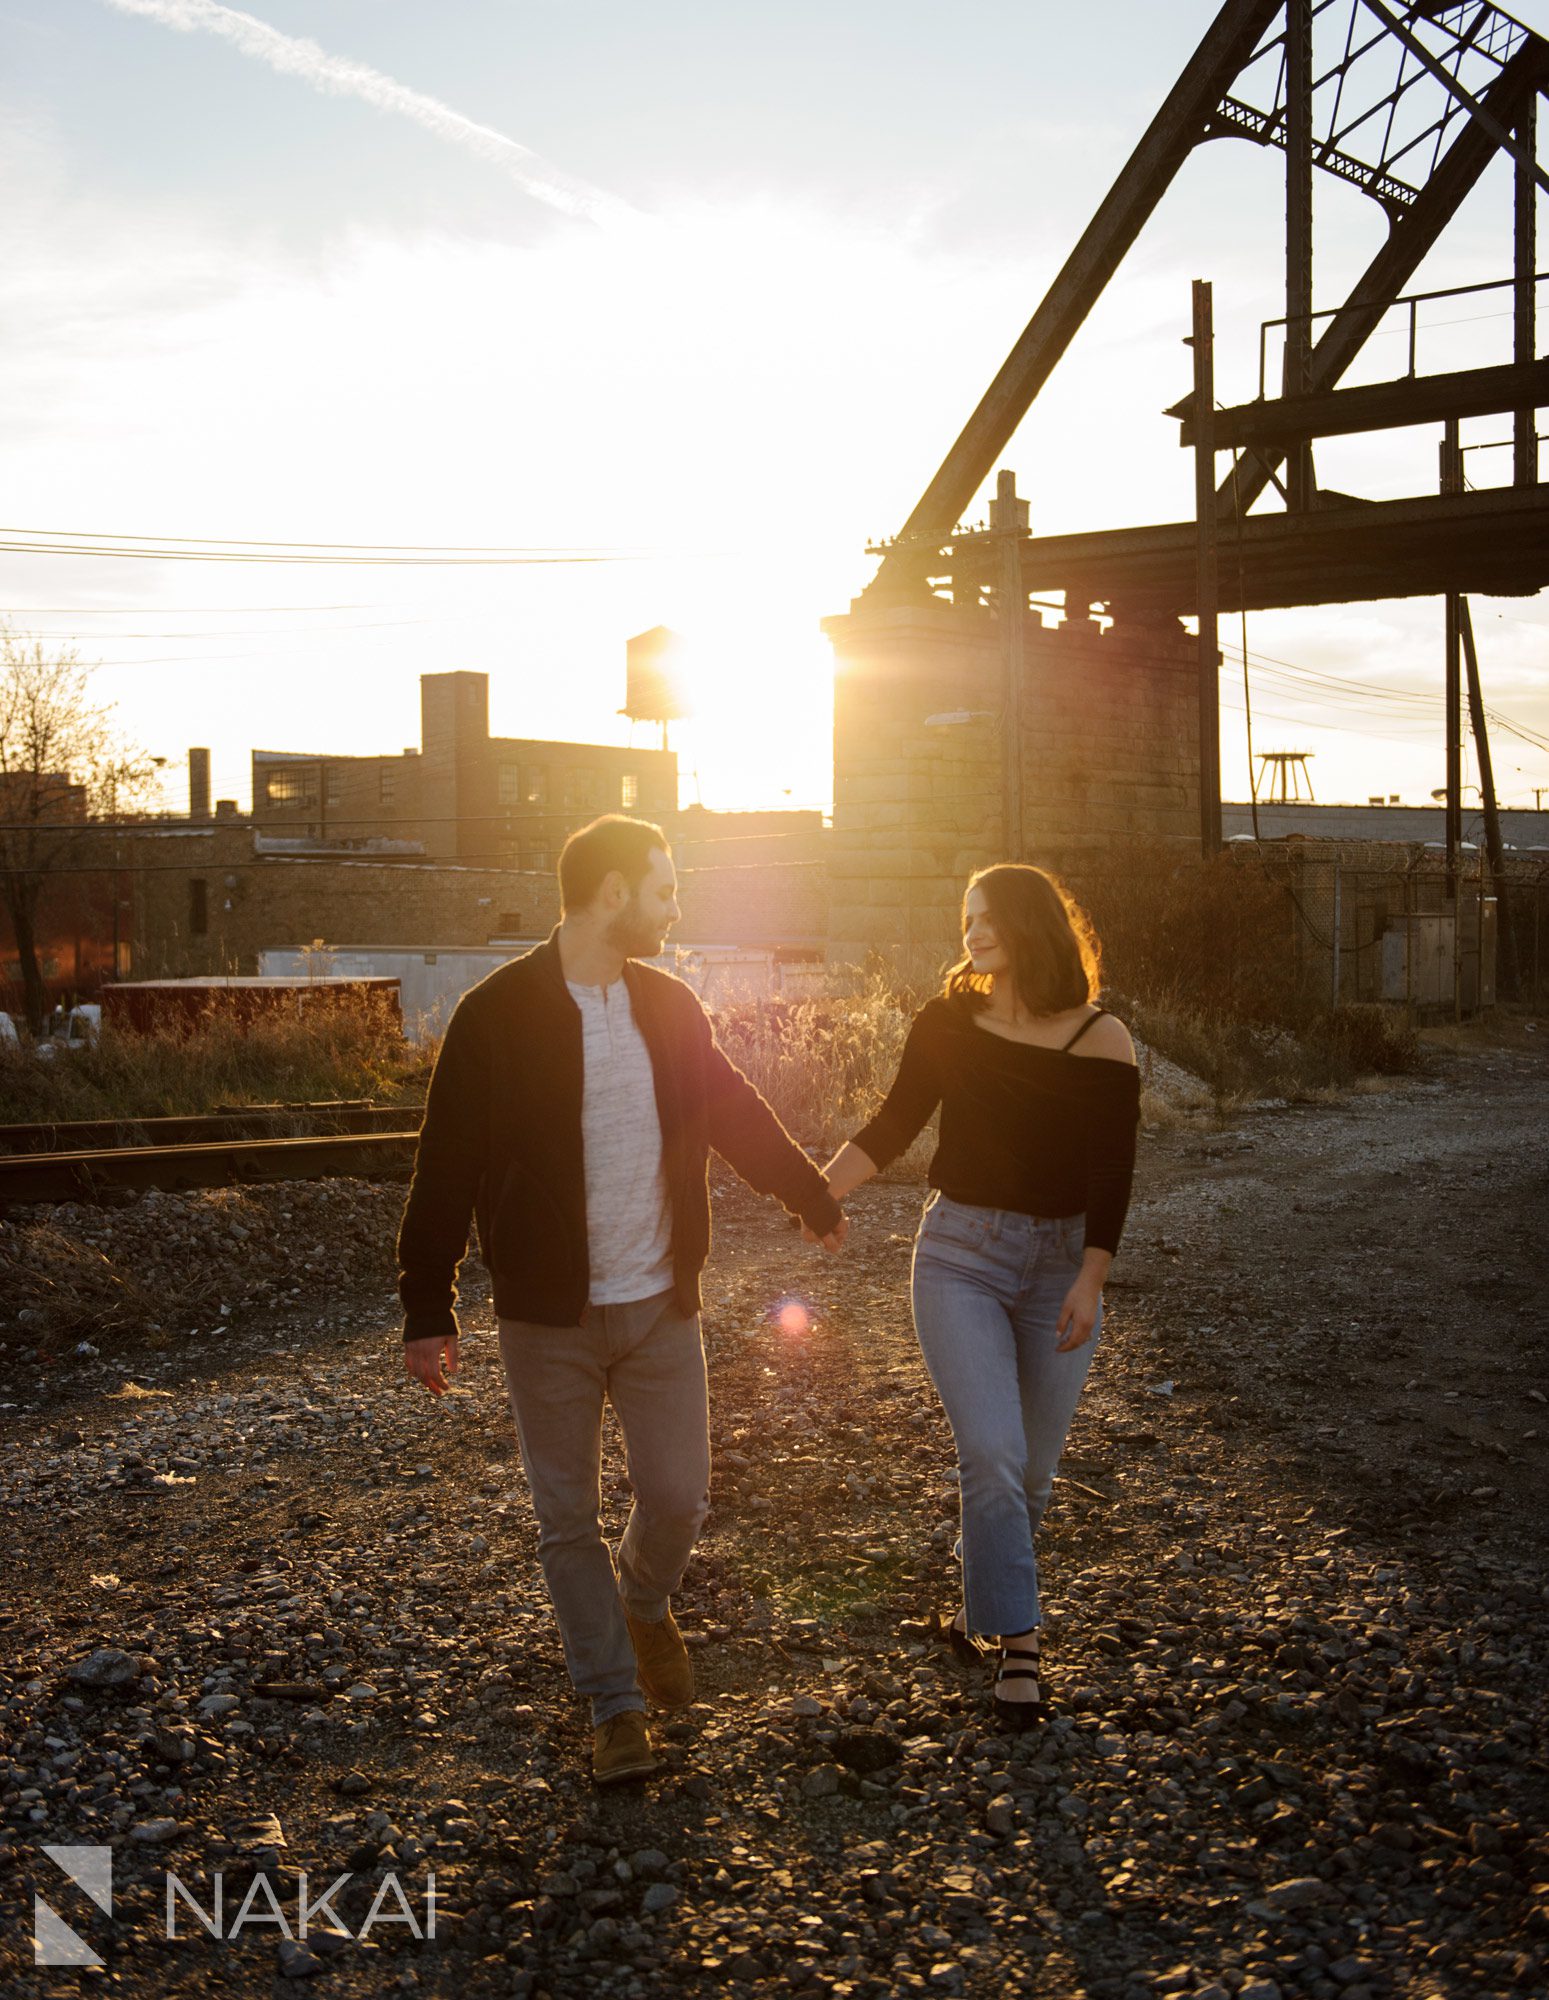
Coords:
273,1612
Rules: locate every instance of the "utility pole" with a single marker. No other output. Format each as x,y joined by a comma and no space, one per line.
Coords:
1452,482
1008,524
1525,290
1492,819
1207,593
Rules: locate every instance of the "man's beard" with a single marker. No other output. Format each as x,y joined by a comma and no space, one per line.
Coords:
631,934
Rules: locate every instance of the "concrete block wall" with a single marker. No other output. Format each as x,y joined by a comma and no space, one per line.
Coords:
1109,755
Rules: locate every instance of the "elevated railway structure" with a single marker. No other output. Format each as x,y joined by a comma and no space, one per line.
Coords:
1408,103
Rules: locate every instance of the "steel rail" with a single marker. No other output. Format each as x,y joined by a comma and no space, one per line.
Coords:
27,1178
256,1121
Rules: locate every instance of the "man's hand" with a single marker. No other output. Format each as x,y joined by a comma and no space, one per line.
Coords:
433,1361
1078,1315
834,1240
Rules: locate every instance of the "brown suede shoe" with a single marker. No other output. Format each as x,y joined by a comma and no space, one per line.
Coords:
621,1748
666,1672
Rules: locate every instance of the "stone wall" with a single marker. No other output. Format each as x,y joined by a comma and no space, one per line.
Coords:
1109,755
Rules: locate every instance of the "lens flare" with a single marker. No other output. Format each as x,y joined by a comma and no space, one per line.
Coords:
792,1318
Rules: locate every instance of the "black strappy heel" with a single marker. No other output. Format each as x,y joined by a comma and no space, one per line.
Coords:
1018,1714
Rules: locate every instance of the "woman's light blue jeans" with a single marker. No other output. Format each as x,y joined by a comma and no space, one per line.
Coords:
988,1284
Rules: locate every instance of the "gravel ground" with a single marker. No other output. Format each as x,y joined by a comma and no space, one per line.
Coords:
273,1612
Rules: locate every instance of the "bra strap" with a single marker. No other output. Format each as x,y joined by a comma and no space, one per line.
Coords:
1082,1029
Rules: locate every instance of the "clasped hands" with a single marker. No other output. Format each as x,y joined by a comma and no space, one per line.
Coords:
834,1240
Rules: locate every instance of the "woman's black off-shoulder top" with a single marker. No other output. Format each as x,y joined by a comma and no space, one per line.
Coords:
1022,1127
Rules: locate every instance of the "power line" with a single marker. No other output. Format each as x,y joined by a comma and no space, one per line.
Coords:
354,548
303,560
166,610
322,631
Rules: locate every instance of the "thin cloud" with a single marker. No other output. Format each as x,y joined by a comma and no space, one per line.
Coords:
338,76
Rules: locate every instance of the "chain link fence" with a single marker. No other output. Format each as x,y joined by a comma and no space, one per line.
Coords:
1296,927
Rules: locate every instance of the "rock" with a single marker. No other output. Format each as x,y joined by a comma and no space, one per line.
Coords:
108,1667
659,1896
219,1704
1258,1989
1302,1892
353,1783
866,1750
155,1832
1000,1816
821,1783
297,1960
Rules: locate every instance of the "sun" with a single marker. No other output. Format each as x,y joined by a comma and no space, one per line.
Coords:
760,695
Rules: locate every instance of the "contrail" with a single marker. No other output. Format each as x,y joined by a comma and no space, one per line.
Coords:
337,76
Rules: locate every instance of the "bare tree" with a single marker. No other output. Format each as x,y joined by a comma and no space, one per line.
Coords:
62,767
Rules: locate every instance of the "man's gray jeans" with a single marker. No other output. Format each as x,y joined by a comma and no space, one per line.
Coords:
649,1362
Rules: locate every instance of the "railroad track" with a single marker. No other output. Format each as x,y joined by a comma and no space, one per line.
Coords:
246,1121
217,1151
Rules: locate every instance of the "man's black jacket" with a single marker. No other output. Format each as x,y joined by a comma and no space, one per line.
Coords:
501,1142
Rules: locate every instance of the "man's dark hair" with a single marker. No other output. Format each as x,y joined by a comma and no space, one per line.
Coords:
591,854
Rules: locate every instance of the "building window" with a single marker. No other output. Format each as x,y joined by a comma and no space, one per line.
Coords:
333,789
387,785
535,785
509,923
198,906
537,860
510,784
586,789
290,788
629,791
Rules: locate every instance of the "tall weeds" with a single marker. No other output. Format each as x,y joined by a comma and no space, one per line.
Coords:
355,1049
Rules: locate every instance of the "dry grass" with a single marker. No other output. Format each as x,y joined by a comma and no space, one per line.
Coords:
1243,1061
354,1050
827,1062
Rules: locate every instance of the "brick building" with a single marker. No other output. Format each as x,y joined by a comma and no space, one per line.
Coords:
463,795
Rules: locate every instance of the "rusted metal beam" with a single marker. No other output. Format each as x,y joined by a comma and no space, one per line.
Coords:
1481,110
1202,340
1376,406
1524,456
1410,239
1492,543
1173,133
1295,377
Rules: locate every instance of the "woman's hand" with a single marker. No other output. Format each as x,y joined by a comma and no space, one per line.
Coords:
1078,1315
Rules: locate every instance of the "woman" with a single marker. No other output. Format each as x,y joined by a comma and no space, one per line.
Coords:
1039,1099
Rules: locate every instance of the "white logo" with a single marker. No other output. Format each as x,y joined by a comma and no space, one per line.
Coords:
91,1869
53,1941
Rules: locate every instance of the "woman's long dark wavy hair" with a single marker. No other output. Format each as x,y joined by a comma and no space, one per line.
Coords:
1055,956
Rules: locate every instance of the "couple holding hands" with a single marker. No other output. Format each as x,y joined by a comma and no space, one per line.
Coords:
571,1112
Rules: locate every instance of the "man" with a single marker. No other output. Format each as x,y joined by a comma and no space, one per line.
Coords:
571,1111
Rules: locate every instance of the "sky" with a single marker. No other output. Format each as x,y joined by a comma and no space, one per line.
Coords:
701,293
